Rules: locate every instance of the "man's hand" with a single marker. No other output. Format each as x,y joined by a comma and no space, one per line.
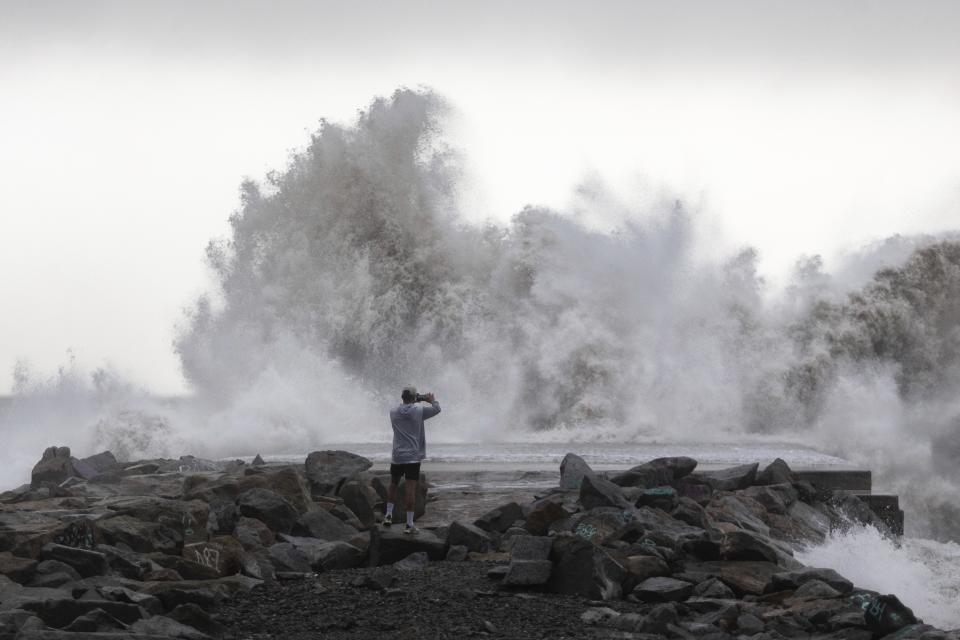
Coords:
430,398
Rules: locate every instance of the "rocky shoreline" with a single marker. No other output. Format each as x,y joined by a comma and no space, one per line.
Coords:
192,548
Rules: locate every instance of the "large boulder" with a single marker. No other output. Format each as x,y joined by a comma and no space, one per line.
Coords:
253,534
269,507
328,470
327,556
501,518
790,580
360,499
188,518
320,523
585,569
57,465
223,556
655,473
140,536
663,589
391,545
744,577
573,469
86,563
287,556
470,536
543,514
732,478
16,568
291,483
777,472
600,492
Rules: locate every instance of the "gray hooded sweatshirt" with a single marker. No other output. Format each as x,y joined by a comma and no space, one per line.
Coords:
409,440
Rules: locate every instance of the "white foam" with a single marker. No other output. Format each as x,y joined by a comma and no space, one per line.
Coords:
924,574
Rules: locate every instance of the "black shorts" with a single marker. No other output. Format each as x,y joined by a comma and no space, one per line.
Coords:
411,471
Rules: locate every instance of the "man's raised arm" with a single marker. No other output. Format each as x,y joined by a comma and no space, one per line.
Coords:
433,409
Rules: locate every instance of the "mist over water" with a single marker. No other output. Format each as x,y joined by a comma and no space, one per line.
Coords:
353,272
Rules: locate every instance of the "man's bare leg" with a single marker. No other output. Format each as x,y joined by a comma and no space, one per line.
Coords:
411,500
391,499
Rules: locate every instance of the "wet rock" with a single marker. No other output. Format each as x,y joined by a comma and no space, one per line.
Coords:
360,499
732,478
543,514
221,556
713,588
688,511
269,507
328,470
469,536
326,556
348,517
791,580
52,567
151,604
16,568
222,517
744,545
162,575
739,510
102,462
319,523
86,563
126,563
141,469
59,612
664,498
96,620
139,535
656,473
599,492
257,461
501,518
694,488
745,577
749,624
390,545
814,589
573,469
287,557
777,472
642,567
585,569
57,465
253,534
663,589
885,614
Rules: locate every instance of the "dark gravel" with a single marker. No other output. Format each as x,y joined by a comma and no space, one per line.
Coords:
442,600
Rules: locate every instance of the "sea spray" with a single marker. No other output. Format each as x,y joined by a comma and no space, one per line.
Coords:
352,273
923,573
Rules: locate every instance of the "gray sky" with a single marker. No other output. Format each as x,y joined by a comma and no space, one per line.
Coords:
127,127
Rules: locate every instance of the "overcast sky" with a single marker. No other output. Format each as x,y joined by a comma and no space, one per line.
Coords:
126,128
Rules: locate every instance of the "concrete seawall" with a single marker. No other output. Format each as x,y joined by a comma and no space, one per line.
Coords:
859,482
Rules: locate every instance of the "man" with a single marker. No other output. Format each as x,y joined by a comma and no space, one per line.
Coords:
409,449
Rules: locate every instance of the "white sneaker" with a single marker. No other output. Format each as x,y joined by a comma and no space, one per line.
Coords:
410,529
